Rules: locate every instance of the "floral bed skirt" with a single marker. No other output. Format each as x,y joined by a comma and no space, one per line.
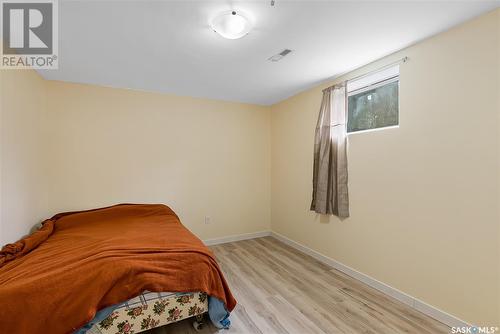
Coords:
150,310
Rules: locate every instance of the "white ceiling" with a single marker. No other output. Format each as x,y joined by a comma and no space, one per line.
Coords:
167,46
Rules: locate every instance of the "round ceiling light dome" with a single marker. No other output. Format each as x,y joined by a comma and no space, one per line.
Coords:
231,24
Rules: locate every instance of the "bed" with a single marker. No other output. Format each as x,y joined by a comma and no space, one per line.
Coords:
150,310
108,270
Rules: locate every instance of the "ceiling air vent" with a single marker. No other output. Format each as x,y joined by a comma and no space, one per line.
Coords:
280,55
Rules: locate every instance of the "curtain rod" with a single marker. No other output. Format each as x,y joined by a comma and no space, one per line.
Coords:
399,61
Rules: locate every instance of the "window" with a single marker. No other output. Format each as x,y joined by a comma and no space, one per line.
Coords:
373,101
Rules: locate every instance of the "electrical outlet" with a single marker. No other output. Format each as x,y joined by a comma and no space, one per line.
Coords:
207,220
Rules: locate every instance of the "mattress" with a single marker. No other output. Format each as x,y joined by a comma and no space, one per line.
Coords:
150,310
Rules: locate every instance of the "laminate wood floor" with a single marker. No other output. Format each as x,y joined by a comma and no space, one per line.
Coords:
281,290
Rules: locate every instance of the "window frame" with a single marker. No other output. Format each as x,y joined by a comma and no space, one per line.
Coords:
370,86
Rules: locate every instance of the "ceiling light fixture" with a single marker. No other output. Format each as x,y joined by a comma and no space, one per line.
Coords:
231,24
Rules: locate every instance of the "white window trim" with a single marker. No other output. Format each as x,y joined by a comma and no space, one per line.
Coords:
373,130
373,86
368,82
374,77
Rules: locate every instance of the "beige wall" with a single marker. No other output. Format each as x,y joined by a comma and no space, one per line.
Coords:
70,147
424,197
201,157
23,159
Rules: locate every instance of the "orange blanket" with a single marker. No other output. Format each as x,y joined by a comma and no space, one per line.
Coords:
55,280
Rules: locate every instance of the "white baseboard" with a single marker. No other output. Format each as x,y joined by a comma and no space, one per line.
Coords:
238,237
413,302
